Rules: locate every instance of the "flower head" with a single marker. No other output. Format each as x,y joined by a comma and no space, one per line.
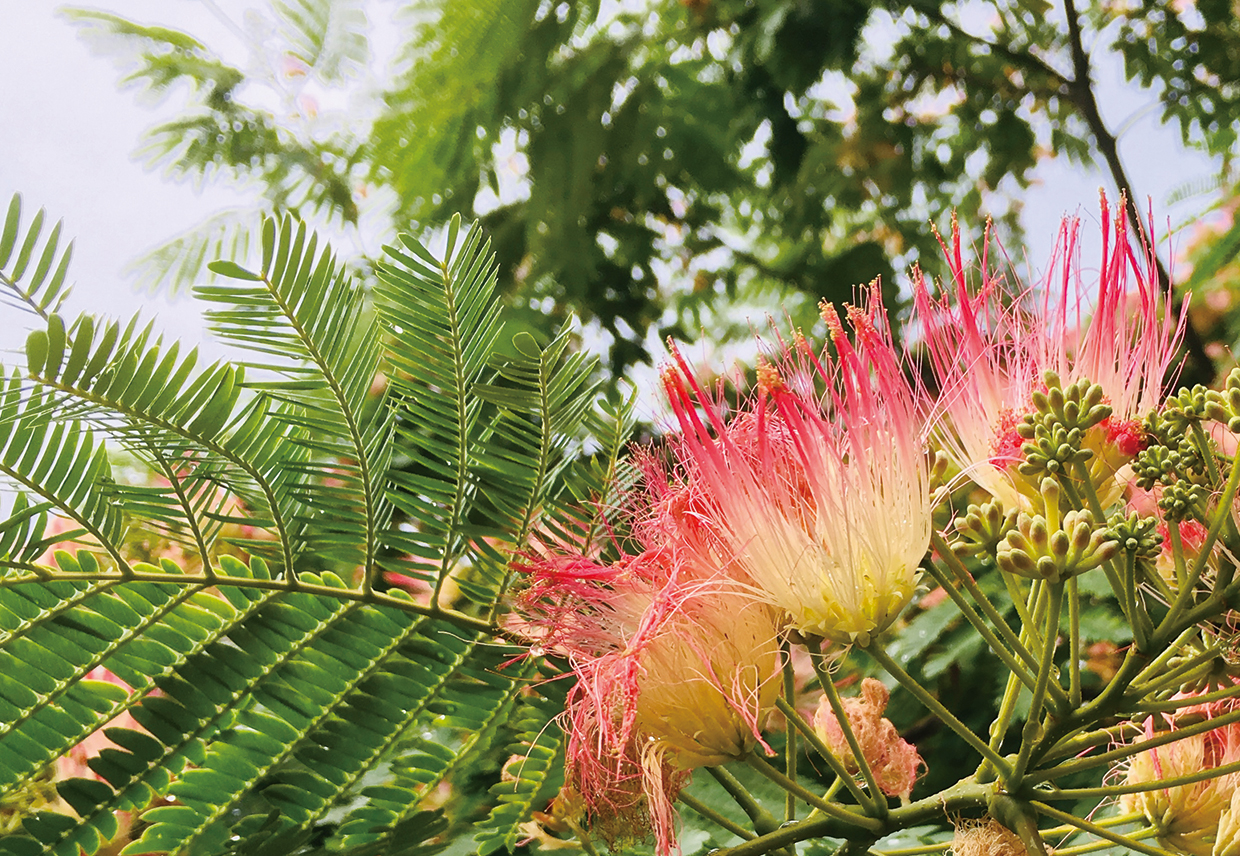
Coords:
676,669
822,505
1187,817
991,353
893,760
986,837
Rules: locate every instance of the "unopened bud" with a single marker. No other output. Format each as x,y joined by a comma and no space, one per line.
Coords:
1082,536
1059,544
1016,562
1038,532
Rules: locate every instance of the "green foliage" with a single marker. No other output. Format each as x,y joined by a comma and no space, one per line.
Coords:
326,35
639,167
1192,53
217,131
32,273
297,699
647,168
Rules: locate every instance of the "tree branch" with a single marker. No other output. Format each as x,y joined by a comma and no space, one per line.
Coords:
1199,368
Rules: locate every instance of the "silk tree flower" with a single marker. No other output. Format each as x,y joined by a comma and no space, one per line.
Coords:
1227,840
676,668
990,353
1188,817
893,760
821,503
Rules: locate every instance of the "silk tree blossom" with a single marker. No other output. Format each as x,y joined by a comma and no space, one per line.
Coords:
894,761
676,668
990,358
821,504
1189,818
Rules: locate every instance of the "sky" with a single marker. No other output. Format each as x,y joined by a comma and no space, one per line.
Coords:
69,136
67,143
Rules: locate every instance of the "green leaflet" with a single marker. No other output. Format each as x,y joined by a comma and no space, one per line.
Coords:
264,691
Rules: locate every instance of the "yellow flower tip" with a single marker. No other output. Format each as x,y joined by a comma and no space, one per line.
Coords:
1227,841
826,309
769,379
986,837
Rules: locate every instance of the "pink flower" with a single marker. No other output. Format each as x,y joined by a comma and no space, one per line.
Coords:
821,503
1188,817
676,669
990,354
894,761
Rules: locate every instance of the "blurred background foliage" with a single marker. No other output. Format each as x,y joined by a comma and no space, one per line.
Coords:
674,167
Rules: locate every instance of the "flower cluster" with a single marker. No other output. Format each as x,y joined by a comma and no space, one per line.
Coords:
893,760
676,666
1201,818
991,351
822,506
804,512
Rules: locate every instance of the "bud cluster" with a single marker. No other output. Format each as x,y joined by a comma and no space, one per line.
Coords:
1224,406
982,527
1137,535
1052,546
1055,431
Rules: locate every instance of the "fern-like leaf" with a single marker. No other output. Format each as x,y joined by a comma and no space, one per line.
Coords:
329,36
266,692
303,310
33,266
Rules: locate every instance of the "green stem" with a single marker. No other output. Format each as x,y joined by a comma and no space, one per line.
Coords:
1175,677
1095,846
1206,448
1037,609
1095,508
1074,644
1177,553
875,801
1140,624
762,819
1155,667
1019,599
1001,651
1142,787
964,796
1222,518
715,817
1095,829
1075,745
1108,822
815,742
832,810
1230,692
790,749
998,728
963,576
1122,752
913,851
1029,734
936,707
